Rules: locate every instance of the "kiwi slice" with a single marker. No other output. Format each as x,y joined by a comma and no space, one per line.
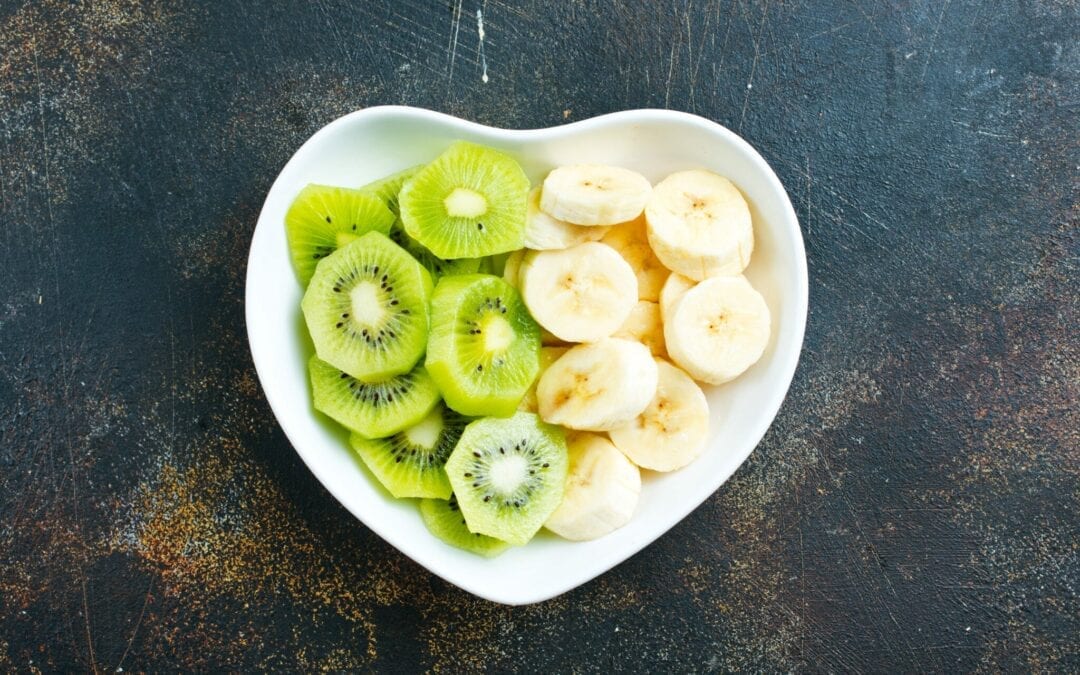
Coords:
323,218
484,348
372,409
410,463
444,520
387,188
468,203
509,475
367,308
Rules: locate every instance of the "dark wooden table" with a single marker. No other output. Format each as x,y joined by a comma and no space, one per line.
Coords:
914,507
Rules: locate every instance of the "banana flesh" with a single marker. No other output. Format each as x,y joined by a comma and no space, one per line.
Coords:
673,430
546,233
598,386
699,225
594,194
718,329
580,294
602,490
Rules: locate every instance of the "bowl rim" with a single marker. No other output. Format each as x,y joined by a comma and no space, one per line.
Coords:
789,359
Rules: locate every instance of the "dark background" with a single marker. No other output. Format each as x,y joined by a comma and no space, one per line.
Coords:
913,508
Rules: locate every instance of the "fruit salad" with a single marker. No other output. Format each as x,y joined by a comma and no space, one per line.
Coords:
512,356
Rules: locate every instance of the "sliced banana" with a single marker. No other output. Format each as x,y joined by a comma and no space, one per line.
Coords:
602,490
645,326
546,233
594,194
548,356
699,225
673,289
632,242
718,329
512,268
580,294
597,386
673,429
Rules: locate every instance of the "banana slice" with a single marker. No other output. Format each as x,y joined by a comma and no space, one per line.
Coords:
673,430
512,276
548,356
632,242
594,194
674,288
699,225
645,326
602,489
512,268
718,329
597,386
580,294
545,233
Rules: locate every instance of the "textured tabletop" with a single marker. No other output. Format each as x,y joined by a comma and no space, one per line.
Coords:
913,508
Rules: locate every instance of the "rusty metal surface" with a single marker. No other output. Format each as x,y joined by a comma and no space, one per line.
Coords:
914,507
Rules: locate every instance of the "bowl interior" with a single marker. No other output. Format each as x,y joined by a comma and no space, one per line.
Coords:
371,143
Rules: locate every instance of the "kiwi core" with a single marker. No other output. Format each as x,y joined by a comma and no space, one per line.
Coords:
367,307
465,203
498,335
508,473
426,432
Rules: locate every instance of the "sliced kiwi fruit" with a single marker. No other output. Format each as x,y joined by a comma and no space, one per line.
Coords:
322,219
367,308
443,518
484,348
387,188
468,203
372,409
509,475
410,463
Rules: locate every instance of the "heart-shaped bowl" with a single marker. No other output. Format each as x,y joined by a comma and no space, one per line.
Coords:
370,143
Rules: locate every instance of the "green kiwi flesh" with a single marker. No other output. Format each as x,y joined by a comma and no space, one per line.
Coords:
467,203
387,188
443,518
367,308
372,409
509,475
484,348
323,218
410,463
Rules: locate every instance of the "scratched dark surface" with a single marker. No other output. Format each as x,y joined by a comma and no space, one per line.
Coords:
913,508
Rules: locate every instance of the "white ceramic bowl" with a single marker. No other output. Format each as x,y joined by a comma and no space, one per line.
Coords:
368,144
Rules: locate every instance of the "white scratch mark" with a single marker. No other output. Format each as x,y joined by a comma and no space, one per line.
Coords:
480,32
753,64
670,72
933,40
455,26
983,132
